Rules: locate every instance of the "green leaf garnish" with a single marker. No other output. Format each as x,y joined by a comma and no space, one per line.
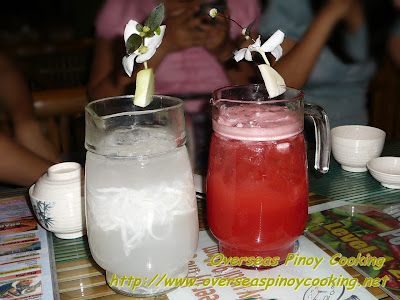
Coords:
139,27
133,43
158,30
153,21
248,29
149,34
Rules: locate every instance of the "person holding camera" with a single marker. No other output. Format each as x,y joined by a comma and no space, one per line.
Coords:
194,57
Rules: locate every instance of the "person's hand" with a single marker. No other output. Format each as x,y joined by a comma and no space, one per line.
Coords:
184,29
29,135
338,8
218,42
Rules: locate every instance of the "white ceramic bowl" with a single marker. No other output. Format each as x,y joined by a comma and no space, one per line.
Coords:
354,145
386,170
58,201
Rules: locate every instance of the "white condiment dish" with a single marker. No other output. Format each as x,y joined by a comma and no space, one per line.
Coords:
58,201
386,170
354,145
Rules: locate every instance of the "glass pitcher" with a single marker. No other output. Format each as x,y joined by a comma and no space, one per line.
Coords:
257,182
141,206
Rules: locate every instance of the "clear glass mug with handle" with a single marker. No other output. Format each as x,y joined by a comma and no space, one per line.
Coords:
257,181
141,206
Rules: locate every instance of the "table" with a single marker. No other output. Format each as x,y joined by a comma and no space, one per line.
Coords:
80,277
338,184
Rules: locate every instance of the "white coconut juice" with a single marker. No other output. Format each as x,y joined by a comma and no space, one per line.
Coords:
141,208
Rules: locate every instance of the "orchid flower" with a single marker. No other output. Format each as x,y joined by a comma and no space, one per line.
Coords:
246,52
145,51
141,42
271,45
273,81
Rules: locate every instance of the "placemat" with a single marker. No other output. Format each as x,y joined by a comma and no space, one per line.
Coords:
339,184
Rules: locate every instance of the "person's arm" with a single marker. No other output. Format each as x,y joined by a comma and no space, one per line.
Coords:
15,94
299,58
16,98
18,165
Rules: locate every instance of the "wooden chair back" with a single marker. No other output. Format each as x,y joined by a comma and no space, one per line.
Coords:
385,99
53,65
61,113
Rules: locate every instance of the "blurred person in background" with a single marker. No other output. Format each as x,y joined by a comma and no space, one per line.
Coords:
25,154
194,58
332,48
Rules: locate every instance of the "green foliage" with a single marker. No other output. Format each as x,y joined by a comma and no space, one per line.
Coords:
153,21
133,43
149,34
248,29
139,27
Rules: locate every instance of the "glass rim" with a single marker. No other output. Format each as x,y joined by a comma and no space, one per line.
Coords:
138,112
299,95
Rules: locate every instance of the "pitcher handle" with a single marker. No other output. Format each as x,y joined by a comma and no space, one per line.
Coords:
322,136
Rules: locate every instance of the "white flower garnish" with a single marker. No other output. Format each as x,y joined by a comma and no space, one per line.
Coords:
141,42
246,52
273,81
273,45
213,12
144,52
